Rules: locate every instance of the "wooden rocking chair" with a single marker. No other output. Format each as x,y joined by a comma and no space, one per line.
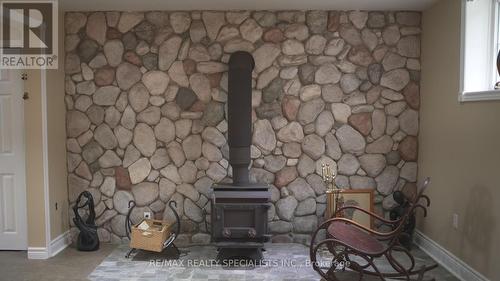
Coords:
347,239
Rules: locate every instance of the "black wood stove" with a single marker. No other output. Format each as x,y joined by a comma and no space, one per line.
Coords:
239,210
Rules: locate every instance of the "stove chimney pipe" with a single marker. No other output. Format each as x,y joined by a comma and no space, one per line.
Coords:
239,110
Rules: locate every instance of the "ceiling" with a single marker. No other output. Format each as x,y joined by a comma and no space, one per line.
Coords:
145,5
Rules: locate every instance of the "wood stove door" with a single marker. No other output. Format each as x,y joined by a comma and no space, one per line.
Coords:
240,221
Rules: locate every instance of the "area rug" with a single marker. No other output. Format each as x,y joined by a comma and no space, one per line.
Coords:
282,262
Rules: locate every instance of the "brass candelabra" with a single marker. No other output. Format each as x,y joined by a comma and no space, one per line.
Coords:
334,194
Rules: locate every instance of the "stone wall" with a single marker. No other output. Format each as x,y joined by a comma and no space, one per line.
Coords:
146,95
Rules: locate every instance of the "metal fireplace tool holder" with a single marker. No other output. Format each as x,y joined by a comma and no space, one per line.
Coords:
169,243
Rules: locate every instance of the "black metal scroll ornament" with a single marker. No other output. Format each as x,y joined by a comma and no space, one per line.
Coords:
397,212
88,240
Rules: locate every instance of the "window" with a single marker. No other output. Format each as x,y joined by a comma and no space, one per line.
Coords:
480,46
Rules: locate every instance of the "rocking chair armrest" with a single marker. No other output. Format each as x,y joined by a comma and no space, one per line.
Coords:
369,213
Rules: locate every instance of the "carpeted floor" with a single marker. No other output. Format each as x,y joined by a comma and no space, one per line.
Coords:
282,262
68,265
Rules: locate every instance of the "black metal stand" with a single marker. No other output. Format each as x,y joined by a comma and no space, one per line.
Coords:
169,243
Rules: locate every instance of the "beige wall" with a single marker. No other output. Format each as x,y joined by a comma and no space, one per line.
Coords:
56,156
56,132
459,149
34,161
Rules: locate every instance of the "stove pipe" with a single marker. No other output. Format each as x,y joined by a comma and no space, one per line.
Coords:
239,117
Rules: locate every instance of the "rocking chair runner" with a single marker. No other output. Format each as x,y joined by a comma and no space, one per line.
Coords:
347,239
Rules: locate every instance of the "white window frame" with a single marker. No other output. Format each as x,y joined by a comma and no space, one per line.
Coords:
480,90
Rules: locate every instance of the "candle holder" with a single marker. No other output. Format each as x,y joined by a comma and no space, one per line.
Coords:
335,199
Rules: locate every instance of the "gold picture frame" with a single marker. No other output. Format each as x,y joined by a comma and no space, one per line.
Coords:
362,198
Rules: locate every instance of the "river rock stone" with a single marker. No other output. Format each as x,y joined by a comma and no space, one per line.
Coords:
213,22
188,172
192,147
104,76
285,208
120,201
180,21
361,182
96,27
156,82
310,110
167,53
349,83
216,172
263,136
306,207
300,189
138,97
144,139
105,137
185,98
372,164
250,30
113,50
76,123
127,75
361,122
315,45
409,46
192,211
129,20
73,22
292,132
139,170
408,148
381,145
408,122
314,146
306,224
165,130
348,164
350,140
285,176
145,193
327,74
264,56
317,21
396,79
387,180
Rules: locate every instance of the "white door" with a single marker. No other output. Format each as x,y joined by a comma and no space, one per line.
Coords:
13,224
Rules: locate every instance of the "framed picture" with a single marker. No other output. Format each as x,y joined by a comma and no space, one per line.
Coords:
362,198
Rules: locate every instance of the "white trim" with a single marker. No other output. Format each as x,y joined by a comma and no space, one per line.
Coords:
45,155
462,51
59,243
480,96
38,253
446,259
489,93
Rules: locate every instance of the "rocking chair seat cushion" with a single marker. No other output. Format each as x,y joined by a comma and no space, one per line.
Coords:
355,237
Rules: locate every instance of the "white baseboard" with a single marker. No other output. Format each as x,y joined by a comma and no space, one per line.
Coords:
59,243
446,259
38,253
